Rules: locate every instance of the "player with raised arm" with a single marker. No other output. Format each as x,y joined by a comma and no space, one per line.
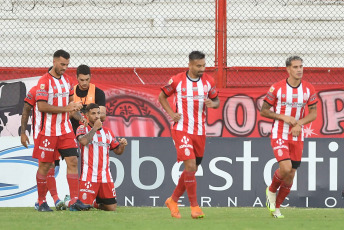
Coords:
194,91
96,183
288,98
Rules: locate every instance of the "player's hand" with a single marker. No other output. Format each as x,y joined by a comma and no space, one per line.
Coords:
74,106
123,141
97,124
24,139
176,117
209,103
290,120
296,130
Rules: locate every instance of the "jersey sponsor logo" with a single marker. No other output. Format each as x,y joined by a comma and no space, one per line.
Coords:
64,94
100,144
280,144
186,144
46,143
88,185
46,149
293,104
42,86
271,89
194,97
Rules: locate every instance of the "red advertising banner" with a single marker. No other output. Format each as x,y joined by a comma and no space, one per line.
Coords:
135,111
133,108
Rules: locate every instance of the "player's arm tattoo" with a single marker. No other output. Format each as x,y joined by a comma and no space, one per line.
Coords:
25,117
312,107
87,138
77,115
266,112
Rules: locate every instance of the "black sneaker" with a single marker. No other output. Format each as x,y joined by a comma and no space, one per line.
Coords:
44,208
79,206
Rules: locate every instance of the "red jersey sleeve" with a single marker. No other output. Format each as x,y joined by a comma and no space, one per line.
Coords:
31,96
313,99
42,89
114,143
81,130
213,93
170,88
271,96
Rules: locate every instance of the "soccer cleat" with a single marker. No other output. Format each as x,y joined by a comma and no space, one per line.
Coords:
173,206
277,214
196,212
36,206
270,200
44,208
60,205
79,206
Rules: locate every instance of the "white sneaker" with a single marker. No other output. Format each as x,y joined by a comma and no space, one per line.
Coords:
277,214
270,200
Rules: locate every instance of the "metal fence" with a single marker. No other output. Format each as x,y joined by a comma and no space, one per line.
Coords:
161,33
106,33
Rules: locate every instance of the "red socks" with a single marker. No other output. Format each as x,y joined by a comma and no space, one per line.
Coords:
282,193
191,187
180,189
41,187
73,182
276,181
51,184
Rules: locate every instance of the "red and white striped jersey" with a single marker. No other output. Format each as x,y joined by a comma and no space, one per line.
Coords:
55,92
36,114
189,101
290,101
95,164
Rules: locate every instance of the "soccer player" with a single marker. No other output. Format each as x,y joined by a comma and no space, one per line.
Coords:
30,103
288,98
96,183
86,93
194,91
54,97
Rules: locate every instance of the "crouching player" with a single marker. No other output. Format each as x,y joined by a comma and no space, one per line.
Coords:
96,183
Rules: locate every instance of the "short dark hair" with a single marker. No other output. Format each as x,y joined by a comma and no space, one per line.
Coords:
83,69
292,58
196,55
61,53
91,106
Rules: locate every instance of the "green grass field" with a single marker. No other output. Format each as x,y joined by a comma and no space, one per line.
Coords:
159,218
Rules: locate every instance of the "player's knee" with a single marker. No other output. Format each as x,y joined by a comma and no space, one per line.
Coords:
72,162
112,207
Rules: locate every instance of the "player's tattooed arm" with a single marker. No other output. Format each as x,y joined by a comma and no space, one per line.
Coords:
311,116
266,112
87,138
